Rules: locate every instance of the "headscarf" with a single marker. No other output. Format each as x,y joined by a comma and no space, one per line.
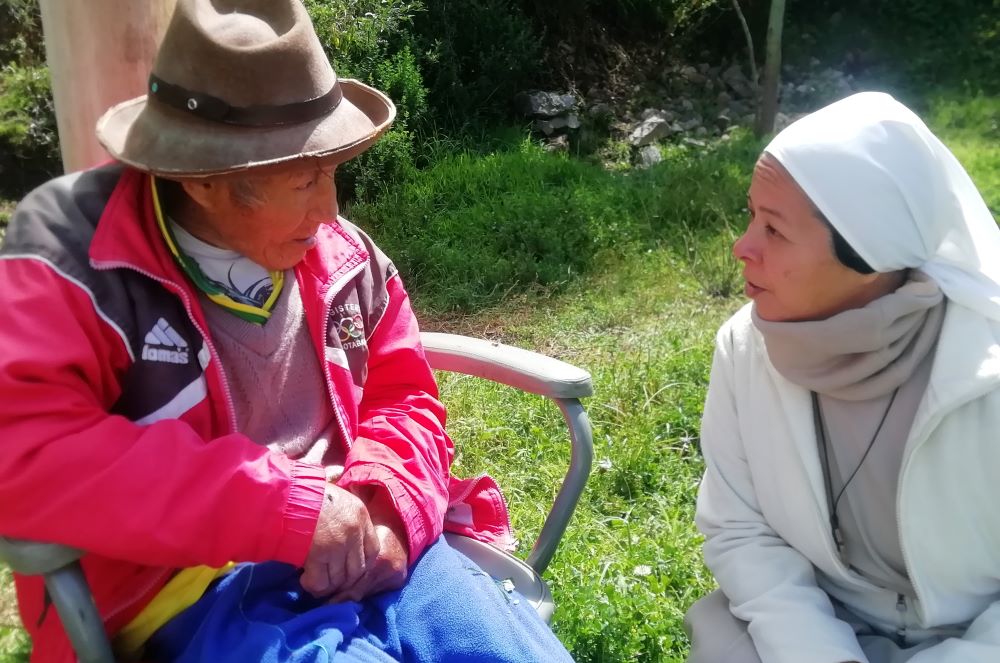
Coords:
897,195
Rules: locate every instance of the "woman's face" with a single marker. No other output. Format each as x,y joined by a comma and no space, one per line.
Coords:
790,268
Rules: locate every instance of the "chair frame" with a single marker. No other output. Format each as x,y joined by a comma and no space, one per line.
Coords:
521,369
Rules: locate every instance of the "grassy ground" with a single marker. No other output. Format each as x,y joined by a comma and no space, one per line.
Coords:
636,302
630,565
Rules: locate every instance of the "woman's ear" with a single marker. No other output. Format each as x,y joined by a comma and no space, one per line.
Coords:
890,281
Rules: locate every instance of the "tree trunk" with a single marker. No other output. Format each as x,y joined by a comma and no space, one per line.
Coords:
754,76
768,106
99,53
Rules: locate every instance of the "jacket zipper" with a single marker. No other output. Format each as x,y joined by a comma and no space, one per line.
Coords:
899,528
178,290
327,305
901,609
230,410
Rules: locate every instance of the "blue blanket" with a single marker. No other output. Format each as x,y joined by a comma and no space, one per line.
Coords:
448,611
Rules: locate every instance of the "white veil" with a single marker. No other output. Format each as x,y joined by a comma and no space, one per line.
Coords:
896,194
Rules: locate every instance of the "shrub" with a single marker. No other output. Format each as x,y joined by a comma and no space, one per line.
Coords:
475,55
932,44
654,20
946,42
371,40
29,142
21,33
388,163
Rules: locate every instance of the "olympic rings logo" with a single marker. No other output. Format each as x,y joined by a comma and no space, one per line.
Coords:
351,328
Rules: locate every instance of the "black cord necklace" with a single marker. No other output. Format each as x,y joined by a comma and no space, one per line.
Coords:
821,434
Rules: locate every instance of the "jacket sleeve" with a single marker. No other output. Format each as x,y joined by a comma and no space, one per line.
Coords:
73,473
979,644
401,444
768,583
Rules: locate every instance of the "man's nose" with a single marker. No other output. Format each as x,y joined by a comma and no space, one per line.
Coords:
324,202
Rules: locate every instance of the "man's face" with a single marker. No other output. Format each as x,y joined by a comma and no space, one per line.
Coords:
281,224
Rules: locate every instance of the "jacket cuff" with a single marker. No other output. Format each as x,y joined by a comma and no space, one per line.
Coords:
305,499
419,534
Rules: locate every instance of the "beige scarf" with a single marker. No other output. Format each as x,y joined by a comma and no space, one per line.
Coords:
861,353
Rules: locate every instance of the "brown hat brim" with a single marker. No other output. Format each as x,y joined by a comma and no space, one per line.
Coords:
163,141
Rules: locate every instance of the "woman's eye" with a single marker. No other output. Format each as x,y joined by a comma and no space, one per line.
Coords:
770,230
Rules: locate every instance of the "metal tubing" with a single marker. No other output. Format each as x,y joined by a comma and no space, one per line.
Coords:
72,599
581,460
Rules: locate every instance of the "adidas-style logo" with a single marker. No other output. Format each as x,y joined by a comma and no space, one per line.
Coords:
163,344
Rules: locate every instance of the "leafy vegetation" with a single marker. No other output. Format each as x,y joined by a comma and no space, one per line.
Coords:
470,228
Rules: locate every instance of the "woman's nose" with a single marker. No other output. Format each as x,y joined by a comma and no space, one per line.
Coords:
743,248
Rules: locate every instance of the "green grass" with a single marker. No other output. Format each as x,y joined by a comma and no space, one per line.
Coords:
472,228
629,566
971,128
628,276
14,644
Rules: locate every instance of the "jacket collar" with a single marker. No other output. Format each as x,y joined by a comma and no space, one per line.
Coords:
966,364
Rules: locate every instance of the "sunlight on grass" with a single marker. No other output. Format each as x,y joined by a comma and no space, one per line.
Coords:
630,564
971,128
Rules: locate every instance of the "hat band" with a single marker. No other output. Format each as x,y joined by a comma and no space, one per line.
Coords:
214,109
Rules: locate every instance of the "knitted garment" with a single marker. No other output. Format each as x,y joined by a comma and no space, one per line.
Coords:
276,380
861,353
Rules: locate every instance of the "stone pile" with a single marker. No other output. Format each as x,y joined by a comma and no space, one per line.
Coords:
551,113
691,105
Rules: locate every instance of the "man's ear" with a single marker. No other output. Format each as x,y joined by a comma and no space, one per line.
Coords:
207,193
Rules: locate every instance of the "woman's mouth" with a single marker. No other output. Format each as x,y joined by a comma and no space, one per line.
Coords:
751,289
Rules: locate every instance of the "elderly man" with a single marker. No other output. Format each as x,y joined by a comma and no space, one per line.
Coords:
203,366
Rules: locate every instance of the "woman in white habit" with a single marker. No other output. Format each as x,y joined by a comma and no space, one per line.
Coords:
851,433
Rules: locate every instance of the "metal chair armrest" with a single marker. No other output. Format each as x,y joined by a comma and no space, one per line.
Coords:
514,367
67,586
535,373
32,558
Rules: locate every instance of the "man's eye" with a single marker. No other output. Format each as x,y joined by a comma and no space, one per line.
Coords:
306,185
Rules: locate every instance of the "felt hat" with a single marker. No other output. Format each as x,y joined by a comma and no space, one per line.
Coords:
240,85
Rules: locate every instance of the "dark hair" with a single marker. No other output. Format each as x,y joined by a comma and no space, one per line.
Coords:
845,253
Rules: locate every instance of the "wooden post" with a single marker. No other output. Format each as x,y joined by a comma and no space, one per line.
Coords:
768,108
99,53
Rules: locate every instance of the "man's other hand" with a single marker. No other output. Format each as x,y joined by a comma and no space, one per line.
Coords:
389,569
345,545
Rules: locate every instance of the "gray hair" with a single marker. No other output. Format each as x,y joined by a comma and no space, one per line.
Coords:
246,192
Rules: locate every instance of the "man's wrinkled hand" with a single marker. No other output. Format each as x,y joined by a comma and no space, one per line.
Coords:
389,568
345,545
